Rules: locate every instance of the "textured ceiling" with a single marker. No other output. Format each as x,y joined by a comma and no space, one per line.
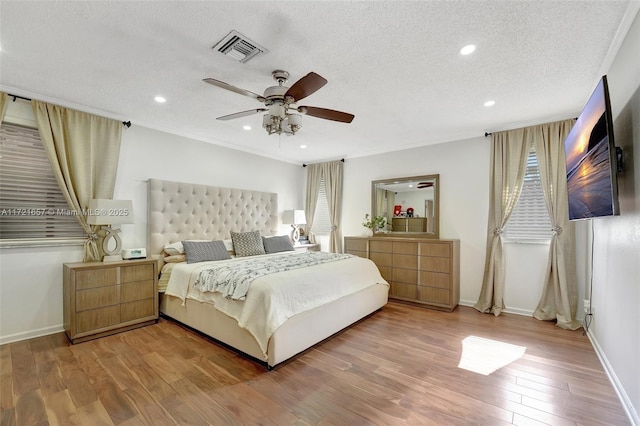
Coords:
394,64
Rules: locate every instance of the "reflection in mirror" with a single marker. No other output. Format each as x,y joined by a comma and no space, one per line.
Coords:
410,205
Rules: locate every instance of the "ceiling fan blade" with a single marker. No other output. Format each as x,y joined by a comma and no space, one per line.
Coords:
234,89
327,114
306,86
242,114
424,184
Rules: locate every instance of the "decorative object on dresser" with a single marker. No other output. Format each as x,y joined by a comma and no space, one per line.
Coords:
375,223
106,213
424,271
106,298
294,218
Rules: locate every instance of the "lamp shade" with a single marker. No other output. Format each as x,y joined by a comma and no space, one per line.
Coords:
109,212
294,217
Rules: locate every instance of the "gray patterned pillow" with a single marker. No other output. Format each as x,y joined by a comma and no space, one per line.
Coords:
202,251
277,244
247,243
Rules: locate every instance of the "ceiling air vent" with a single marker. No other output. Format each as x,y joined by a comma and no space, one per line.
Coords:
238,47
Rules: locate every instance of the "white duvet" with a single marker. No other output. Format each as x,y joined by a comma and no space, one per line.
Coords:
274,298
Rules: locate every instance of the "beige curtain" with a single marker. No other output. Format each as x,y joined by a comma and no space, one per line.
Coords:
509,151
332,173
314,177
560,292
83,150
3,105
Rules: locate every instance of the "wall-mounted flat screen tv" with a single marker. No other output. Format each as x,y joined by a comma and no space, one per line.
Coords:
590,159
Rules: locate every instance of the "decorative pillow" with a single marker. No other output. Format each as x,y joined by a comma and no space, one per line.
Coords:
176,248
202,251
247,243
277,244
175,258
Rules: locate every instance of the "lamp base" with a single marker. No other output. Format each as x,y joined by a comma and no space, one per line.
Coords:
111,255
295,235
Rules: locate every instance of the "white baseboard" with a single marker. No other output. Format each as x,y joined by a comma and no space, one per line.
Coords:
617,386
507,310
30,334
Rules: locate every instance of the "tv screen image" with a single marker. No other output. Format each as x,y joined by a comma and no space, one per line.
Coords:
590,159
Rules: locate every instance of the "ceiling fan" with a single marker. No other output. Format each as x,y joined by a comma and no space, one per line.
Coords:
283,115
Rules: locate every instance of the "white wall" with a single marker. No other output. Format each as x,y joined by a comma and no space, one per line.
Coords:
615,328
31,278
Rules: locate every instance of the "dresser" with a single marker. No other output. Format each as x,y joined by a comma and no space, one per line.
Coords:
419,270
105,298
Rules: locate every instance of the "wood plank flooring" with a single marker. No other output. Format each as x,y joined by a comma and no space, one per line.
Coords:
399,366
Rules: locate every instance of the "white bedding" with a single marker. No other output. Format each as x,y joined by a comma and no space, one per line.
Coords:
274,298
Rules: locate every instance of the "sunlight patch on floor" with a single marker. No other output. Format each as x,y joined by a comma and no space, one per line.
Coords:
484,356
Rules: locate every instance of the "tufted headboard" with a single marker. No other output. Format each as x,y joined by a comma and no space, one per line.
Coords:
182,211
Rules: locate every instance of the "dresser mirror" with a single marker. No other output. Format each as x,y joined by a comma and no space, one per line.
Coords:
411,206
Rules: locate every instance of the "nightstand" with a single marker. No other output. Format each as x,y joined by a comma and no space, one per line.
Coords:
106,298
307,247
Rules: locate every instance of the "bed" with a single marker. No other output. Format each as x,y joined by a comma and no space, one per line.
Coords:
182,211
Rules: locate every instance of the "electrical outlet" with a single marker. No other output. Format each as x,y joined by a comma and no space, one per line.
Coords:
587,305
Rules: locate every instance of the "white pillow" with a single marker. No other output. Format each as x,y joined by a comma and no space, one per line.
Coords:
174,248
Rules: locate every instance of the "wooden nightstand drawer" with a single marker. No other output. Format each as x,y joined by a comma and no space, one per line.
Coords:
136,273
106,298
98,318
99,277
136,291
136,310
96,298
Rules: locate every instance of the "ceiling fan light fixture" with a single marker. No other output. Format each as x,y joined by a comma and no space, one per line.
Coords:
277,110
283,115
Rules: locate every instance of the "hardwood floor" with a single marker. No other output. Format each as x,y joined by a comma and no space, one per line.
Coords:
399,366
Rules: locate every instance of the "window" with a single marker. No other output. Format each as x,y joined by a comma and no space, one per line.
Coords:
321,221
32,206
529,220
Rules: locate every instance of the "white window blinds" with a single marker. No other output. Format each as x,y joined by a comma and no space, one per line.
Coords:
31,204
321,221
529,220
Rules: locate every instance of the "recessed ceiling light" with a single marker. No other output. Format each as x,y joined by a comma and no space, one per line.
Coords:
303,146
160,99
468,49
489,103
246,127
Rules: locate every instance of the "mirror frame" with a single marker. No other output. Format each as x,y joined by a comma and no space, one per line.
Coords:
436,195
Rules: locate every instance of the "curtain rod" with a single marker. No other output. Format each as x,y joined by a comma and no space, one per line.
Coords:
489,133
126,124
305,165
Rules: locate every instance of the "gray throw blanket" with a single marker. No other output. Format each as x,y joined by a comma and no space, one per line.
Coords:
232,279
